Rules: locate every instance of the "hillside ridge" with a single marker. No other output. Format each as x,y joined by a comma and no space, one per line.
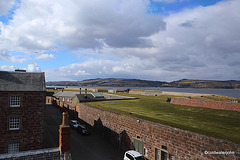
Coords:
120,82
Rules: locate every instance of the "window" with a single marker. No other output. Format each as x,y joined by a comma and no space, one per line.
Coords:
163,155
14,101
14,123
157,154
68,99
13,147
171,157
63,99
164,147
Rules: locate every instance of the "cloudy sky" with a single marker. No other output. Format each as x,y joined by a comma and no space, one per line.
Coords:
162,40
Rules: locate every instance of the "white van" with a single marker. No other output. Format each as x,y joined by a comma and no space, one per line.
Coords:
133,155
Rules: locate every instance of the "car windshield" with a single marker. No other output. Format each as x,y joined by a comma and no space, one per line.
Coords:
140,158
75,122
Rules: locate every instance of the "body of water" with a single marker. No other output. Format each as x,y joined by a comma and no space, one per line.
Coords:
226,92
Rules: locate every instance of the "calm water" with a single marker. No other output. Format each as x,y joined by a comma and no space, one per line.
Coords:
226,92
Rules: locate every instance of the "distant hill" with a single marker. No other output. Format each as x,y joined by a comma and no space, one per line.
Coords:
112,82
184,83
187,83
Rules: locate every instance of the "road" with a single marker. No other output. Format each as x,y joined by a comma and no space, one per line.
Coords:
93,147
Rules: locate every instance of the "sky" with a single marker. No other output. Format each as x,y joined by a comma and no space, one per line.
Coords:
160,40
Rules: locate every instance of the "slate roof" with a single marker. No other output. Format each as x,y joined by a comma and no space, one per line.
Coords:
22,81
65,94
90,97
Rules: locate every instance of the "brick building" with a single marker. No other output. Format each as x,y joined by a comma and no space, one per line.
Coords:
22,102
65,96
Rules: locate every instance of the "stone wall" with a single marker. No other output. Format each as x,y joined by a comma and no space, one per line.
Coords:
146,93
46,154
209,104
177,142
31,113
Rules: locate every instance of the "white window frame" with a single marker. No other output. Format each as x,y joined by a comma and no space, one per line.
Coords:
13,147
157,154
14,123
15,101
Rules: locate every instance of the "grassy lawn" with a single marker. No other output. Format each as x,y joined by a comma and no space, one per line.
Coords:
212,122
217,98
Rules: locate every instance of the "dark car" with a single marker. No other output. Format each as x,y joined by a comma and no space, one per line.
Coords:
74,124
83,130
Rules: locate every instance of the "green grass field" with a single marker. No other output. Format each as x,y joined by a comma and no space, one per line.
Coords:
212,122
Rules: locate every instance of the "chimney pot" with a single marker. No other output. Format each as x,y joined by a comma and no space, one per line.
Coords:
20,70
65,119
85,93
64,135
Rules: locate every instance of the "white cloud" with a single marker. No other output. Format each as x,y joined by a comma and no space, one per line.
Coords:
199,43
5,6
7,68
45,56
169,1
123,68
17,60
206,49
41,25
81,73
205,46
33,67
6,56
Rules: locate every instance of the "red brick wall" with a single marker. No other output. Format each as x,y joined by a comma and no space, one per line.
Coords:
31,113
208,104
182,144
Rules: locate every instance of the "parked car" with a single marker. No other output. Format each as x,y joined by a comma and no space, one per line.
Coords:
133,155
83,130
74,124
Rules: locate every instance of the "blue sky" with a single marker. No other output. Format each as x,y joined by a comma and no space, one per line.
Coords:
174,6
162,40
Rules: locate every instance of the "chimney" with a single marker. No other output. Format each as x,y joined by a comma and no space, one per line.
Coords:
86,93
80,90
20,70
64,138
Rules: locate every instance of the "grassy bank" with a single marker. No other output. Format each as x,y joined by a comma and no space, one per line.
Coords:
216,123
